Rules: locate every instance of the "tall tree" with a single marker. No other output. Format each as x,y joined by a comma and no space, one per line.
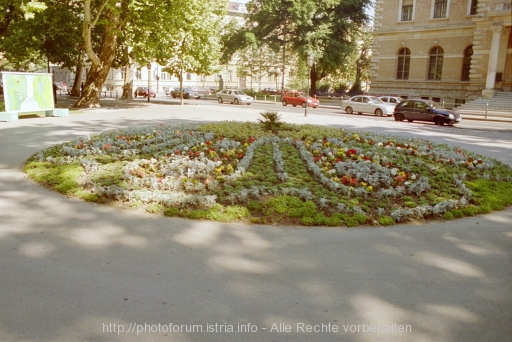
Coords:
362,63
327,29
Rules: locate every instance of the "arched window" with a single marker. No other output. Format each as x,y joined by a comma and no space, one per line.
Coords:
404,61
466,64
435,64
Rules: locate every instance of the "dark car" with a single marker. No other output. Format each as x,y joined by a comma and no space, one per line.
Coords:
425,110
188,93
143,91
271,91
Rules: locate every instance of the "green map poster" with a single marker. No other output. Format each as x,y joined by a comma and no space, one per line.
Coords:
27,92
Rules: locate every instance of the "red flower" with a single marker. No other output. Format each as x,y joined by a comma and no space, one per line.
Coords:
399,178
351,152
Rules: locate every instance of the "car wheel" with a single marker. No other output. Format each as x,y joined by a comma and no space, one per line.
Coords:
399,117
349,110
439,121
220,100
284,103
378,112
304,104
410,120
236,101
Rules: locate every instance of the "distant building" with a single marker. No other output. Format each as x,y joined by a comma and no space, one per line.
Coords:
445,50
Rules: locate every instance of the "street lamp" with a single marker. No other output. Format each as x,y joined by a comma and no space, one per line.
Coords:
149,82
310,61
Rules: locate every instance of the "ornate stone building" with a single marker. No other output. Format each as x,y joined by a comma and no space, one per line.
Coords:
444,50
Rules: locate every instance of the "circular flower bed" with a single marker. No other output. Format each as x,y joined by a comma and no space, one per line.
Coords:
272,172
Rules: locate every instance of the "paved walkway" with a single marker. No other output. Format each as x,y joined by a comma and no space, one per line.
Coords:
75,271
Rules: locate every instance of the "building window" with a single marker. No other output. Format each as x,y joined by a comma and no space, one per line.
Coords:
440,8
474,7
435,64
466,64
407,6
404,61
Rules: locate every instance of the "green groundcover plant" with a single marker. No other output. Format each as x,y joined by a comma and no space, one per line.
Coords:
275,173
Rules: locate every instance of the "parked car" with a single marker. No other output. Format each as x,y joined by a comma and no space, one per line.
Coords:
270,91
367,104
391,99
143,91
168,90
188,93
295,98
235,96
425,110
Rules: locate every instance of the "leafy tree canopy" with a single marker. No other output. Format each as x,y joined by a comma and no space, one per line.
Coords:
325,28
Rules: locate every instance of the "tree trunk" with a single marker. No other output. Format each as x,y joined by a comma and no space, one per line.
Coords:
75,90
102,61
313,79
90,97
128,83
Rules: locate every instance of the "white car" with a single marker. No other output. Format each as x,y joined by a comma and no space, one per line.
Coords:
394,100
235,96
367,104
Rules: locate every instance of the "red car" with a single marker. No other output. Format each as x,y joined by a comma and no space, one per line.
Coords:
299,99
143,91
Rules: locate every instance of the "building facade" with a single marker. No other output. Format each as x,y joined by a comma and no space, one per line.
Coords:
448,51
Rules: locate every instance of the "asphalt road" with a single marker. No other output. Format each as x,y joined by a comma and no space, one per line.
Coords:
75,271
332,107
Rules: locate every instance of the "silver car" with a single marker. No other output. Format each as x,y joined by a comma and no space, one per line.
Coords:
367,104
235,96
394,100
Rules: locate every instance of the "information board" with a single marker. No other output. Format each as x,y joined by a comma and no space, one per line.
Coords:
27,92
